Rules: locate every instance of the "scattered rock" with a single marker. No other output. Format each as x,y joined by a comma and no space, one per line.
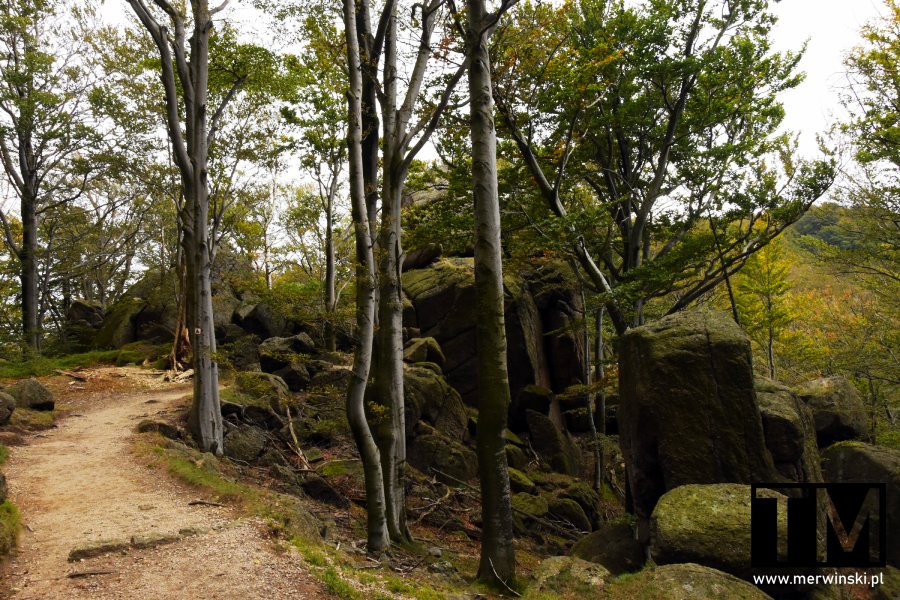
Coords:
428,397
165,429
516,457
31,393
587,499
519,482
847,462
571,512
708,524
278,352
442,567
430,448
688,411
530,504
7,406
4,490
318,489
262,388
295,375
685,582
245,443
613,546
838,409
419,350
558,573
260,320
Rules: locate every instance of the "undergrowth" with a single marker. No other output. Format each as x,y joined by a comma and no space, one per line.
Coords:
39,366
10,522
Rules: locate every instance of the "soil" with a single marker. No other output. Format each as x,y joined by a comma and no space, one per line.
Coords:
80,483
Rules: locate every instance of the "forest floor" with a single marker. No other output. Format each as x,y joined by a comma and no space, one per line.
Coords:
80,484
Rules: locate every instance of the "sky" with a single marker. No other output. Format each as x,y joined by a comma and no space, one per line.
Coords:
832,28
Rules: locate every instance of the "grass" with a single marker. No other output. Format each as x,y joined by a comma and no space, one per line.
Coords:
32,420
10,522
4,454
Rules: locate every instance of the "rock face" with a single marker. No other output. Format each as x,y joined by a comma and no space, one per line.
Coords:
789,432
858,462
31,393
552,444
7,406
707,524
260,320
688,411
429,398
441,305
686,582
429,448
838,409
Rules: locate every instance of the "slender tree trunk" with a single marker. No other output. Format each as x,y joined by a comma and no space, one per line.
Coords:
378,535
498,560
29,273
770,353
330,300
599,375
591,397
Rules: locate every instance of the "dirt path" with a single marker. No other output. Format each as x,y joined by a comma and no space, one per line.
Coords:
79,484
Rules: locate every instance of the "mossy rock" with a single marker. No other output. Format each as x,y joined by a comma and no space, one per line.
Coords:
427,349
118,323
550,480
707,524
516,457
7,407
789,431
431,399
31,394
614,546
570,577
683,581
519,482
838,409
245,443
260,389
10,523
530,504
587,499
569,511
431,449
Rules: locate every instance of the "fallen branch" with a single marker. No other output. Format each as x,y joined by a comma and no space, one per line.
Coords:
74,376
91,573
296,447
204,503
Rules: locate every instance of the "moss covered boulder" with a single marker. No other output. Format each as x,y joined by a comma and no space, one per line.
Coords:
519,482
682,581
427,349
431,399
31,394
688,411
614,546
261,389
7,406
847,462
838,409
570,512
430,449
706,524
553,444
245,443
570,577
789,432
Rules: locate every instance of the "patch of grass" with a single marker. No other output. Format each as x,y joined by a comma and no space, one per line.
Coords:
311,554
199,473
10,522
32,420
337,585
4,454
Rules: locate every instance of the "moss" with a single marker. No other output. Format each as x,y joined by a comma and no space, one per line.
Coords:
694,581
32,420
529,504
337,585
889,438
46,365
4,454
10,523
519,482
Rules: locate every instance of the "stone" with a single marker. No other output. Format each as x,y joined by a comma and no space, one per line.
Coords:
118,323
259,319
857,462
614,546
519,482
530,505
7,406
587,499
688,581
558,574
95,549
263,389
31,393
707,524
553,445
687,407
516,457
153,540
789,432
278,352
90,313
430,449
318,489
295,375
165,429
838,409
569,511
245,443
419,350
421,257
428,397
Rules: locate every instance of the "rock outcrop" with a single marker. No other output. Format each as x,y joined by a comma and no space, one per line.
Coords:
789,432
688,411
838,409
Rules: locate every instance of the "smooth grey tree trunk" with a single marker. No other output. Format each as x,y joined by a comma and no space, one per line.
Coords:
377,529
498,559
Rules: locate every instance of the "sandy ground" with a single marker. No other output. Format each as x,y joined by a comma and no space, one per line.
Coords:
79,484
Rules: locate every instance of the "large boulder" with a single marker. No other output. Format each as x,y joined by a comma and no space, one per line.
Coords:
553,445
31,393
707,524
688,411
418,350
430,449
429,398
570,577
838,409
789,432
688,581
245,443
262,389
7,406
613,546
278,352
119,323
260,319
856,462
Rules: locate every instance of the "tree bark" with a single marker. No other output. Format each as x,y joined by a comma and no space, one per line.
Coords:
29,274
498,559
378,535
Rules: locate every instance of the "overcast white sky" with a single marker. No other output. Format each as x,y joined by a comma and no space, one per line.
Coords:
832,28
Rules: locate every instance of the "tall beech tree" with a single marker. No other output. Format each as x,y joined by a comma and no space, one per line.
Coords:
498,559
650,132
46,128
192,125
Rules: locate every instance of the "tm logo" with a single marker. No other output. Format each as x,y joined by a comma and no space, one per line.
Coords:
818,525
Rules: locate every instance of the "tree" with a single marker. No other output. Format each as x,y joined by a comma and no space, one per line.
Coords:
46,132
498,559
649,131
762,289
185,74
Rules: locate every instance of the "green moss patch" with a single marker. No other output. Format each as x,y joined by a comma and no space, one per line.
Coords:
10,523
